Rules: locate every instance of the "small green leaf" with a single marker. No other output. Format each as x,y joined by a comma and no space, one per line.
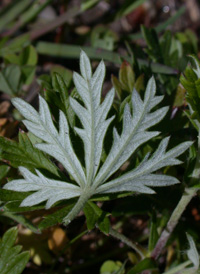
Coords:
44,81
9,79
139,83
15,45
117,86
28,56
28,73
180,96
94,215
127,77
193,253
154,49
24,153
61,86
191,82
111,267
65,77
91,214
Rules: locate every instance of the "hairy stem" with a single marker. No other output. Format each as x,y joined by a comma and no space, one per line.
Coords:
180,208
77,208
184,201
135,246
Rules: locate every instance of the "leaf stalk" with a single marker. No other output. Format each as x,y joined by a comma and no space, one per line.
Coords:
85,196
180,208
135,246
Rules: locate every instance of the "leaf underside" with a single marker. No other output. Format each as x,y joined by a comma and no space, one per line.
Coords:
95,177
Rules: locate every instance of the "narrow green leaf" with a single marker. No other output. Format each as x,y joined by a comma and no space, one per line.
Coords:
12,11
30,13
73,51
85,5
128,7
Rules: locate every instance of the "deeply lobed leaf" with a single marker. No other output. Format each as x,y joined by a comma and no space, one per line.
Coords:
94,177
11,260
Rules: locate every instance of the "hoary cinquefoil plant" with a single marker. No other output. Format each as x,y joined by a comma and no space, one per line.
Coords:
95,177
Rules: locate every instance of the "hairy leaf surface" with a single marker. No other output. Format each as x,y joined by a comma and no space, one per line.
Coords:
94,177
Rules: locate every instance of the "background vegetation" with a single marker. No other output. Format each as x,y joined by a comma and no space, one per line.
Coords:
136,39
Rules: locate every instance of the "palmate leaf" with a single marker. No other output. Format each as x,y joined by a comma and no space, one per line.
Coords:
94,177
12,260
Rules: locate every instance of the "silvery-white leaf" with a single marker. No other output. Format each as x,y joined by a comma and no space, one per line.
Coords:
57,144
93,177
193,259
93,115
134,132
142,174
192,252
47,189
137,184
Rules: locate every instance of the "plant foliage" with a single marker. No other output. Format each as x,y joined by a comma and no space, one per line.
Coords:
11,260
95,177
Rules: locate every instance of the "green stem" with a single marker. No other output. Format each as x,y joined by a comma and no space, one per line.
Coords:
135,246
177,213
